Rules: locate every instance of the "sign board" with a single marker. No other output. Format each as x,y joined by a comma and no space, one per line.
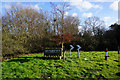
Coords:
78,47
71,47
52,52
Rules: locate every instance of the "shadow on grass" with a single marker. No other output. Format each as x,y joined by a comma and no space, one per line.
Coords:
26,59
116,60
19,60
118,74
100,60
44,58
73,57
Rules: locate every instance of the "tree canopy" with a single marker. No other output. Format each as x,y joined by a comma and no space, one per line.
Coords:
26,30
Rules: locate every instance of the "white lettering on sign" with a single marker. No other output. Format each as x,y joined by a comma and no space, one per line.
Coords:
52,51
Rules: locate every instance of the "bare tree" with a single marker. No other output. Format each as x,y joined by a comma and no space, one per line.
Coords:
60,10
92,25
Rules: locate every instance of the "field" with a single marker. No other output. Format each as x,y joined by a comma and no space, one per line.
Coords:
33,66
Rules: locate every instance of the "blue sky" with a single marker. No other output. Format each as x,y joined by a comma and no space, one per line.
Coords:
106,11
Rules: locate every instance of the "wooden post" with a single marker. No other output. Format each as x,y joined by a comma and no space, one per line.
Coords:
63,56
63,52
60,57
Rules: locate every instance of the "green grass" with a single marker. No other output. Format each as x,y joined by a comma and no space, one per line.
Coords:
32,66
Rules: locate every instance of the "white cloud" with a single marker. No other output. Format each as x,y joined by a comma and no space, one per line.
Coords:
35,7
59,6
118,21
94,0
113,17
66,13
7,6
110,20
87,14
108,24
112,23
68,7
114,5
75,0
107,18
29,6
80,28
98,7
102,0
74,14
87,5
84,5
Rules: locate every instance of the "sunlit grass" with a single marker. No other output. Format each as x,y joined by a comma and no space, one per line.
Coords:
32,66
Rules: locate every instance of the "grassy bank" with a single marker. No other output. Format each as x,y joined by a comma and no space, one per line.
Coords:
34,66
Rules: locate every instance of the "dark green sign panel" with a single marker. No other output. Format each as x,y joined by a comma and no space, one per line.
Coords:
52,52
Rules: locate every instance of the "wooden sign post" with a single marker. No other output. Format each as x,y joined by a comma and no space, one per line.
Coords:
63,53
53,52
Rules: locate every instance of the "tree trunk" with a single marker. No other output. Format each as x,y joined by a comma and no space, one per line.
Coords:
62,47
63,52
54,29
57,29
